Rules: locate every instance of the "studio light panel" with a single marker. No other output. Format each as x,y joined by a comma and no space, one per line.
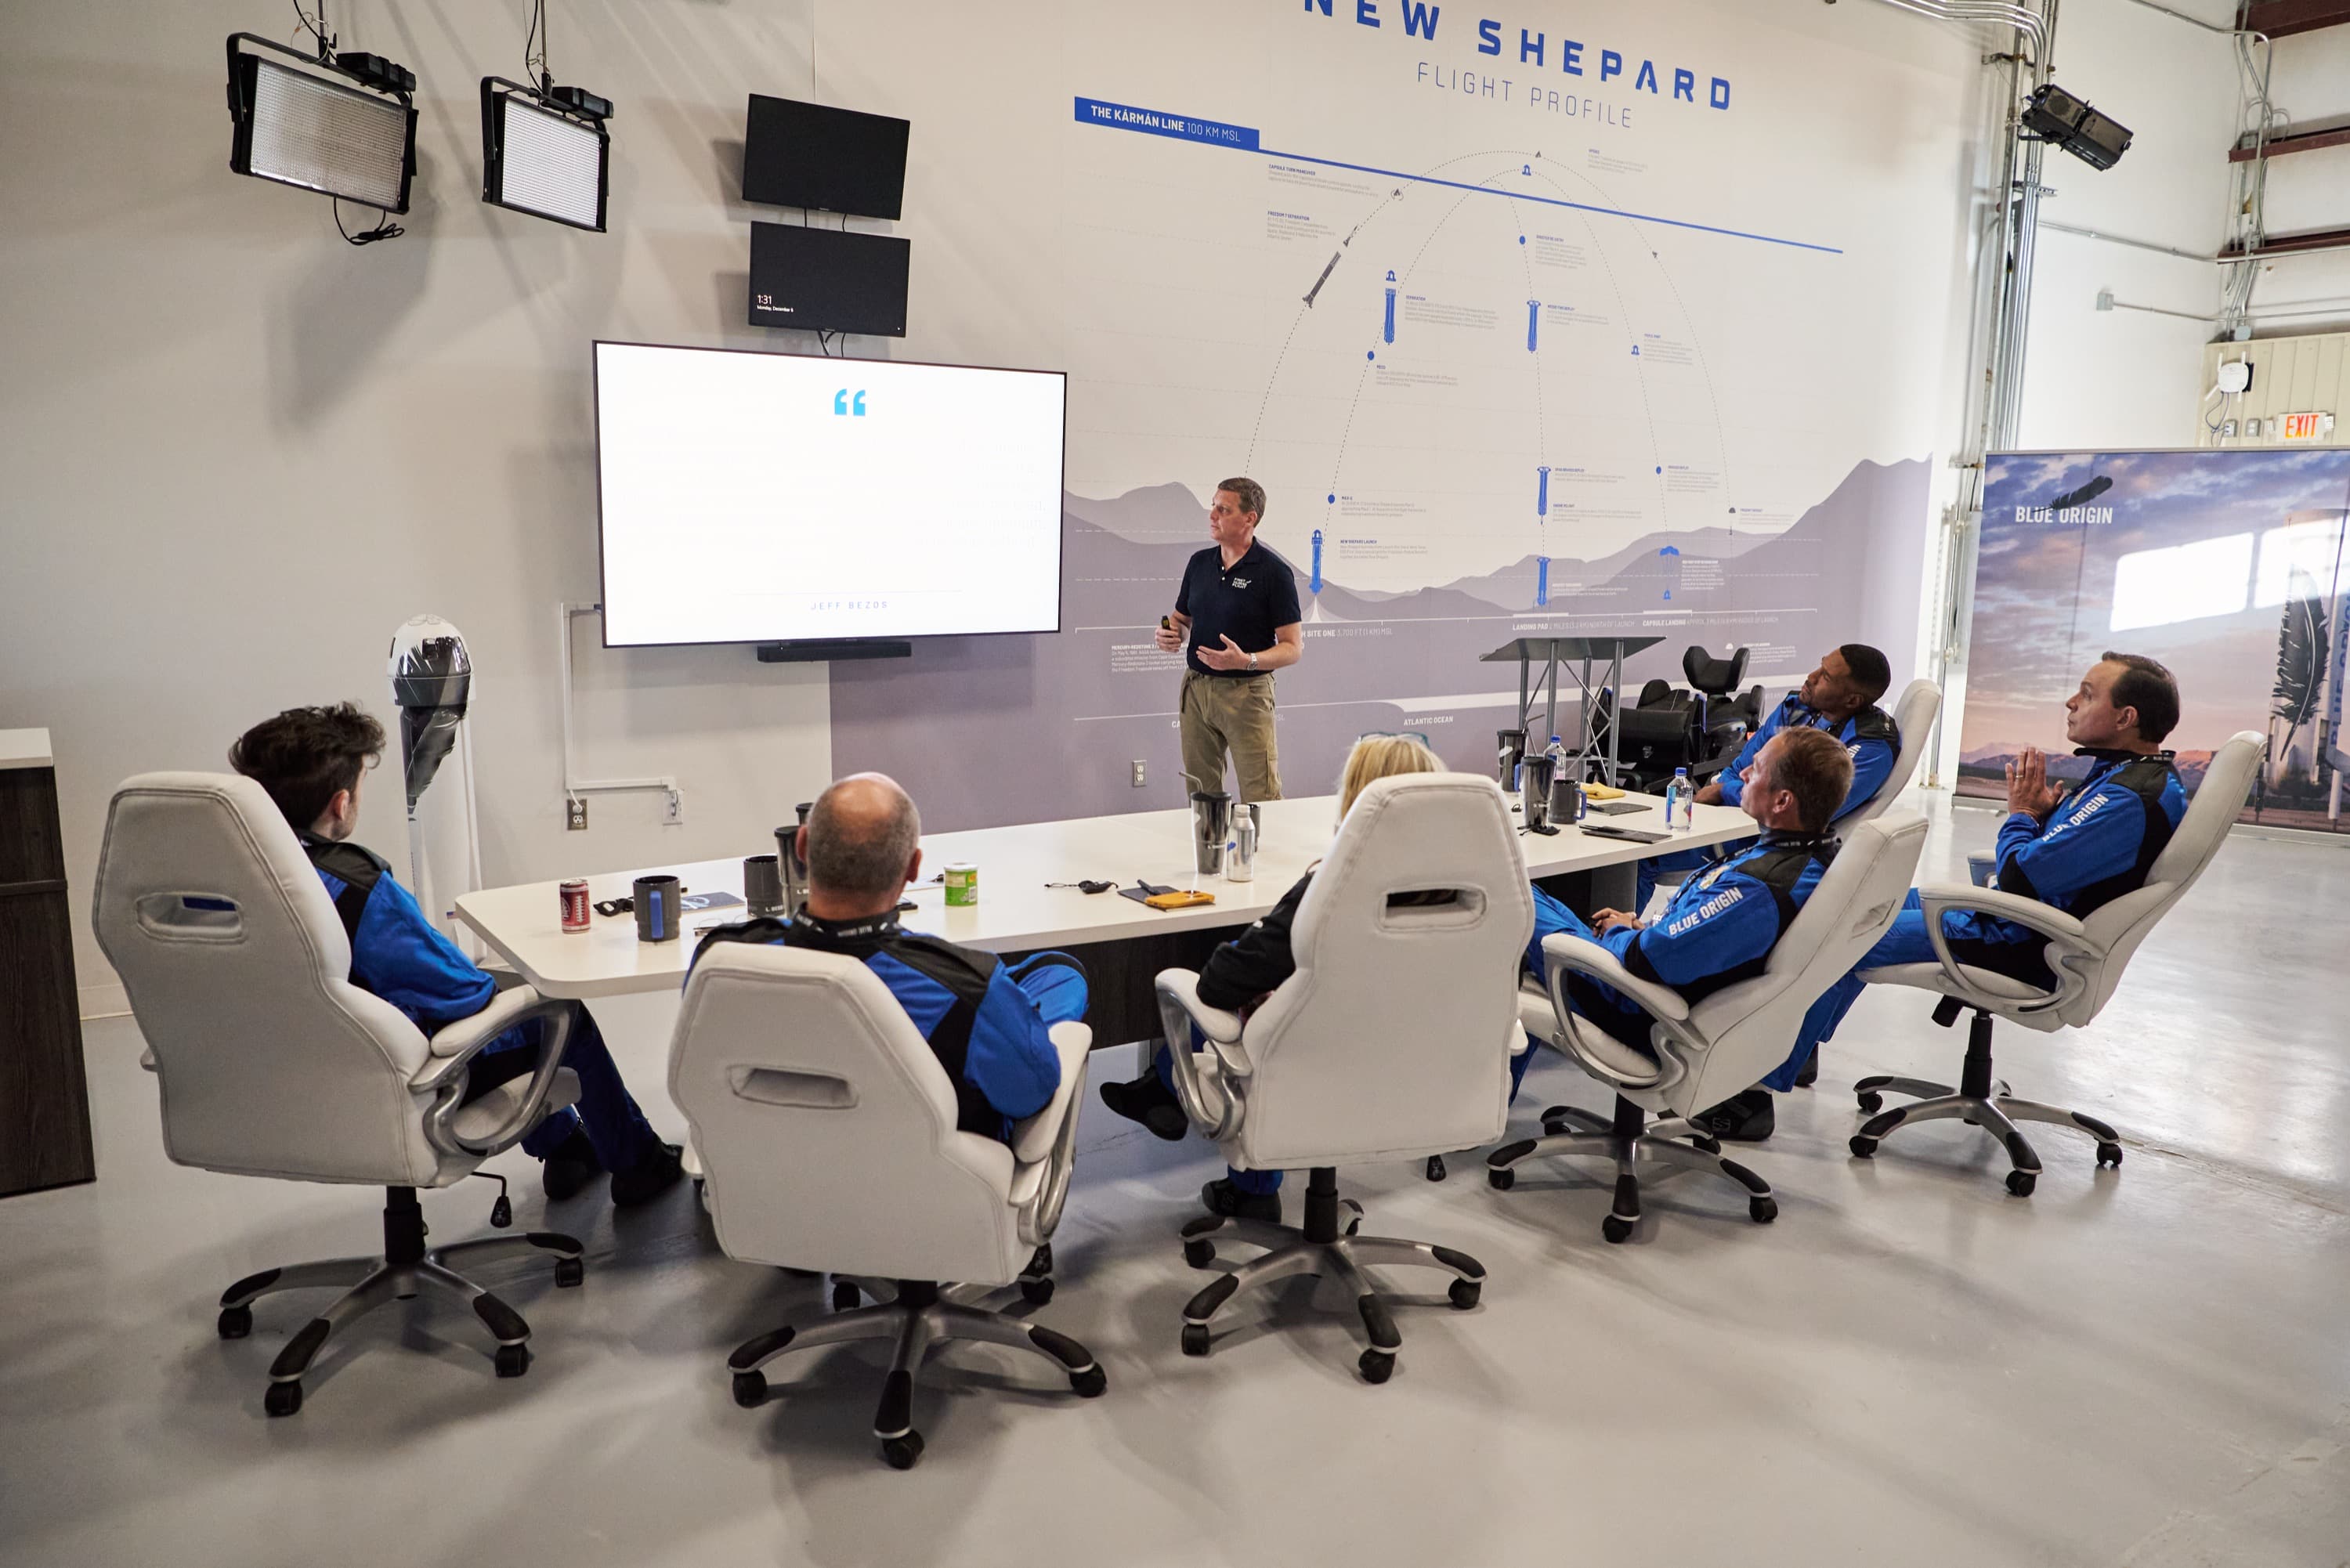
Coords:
544,163
318,134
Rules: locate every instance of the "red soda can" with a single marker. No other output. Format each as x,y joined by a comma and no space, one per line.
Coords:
574,906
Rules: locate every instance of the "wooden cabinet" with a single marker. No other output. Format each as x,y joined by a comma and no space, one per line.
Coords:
44,1097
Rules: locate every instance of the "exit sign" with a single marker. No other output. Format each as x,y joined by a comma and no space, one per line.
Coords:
2306,427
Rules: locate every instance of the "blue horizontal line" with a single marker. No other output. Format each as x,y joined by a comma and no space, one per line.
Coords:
1552,202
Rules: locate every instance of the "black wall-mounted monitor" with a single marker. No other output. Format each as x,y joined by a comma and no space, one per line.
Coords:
828,280
799,154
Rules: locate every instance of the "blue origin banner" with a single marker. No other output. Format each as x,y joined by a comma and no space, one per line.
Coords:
2228,566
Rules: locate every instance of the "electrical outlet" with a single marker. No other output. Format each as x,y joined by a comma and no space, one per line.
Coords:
1137,772
574,813
673,808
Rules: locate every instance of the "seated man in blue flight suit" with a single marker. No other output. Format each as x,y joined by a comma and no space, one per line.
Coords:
2073,852
1724,920
986,1020
311,761
1840,698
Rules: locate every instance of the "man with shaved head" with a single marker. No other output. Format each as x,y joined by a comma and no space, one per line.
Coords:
986,1019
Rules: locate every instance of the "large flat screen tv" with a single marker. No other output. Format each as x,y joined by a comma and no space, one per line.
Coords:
799,154
749,497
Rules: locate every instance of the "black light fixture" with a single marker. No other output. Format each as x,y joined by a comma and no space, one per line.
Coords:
2069,124
340,124
544,150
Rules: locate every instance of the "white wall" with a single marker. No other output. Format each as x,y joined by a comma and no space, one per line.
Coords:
2125,379
2102,379
240,452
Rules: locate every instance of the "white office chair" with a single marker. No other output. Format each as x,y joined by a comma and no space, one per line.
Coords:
1706,1051
1913,715
1392,1041
272,1062
2086,956
826,1130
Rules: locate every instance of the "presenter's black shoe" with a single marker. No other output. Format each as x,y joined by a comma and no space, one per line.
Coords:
1811,1072
1149,1102
571,1167
649,1177
1221,1197
1742,1118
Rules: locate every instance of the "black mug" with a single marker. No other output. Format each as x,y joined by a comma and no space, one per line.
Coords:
763,885
657,913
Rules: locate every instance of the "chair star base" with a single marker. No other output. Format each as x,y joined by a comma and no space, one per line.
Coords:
1629,1139
407,1268
917,1317
1323,1247
1981,1100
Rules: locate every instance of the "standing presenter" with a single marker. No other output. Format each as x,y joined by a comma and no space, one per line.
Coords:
1237,615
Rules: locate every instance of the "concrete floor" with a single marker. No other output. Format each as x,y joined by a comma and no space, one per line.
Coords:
2148,1367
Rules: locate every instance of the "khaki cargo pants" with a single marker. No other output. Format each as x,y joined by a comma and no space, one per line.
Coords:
1218,712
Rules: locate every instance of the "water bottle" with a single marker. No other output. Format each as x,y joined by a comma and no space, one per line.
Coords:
1556,752
1680,802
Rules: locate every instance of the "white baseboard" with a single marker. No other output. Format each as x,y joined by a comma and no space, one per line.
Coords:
108,1001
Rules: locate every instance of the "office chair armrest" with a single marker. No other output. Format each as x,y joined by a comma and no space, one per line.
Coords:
468,1035
1206,1097
1049,1138
456,1047
1563,955
1589,957
2068,943
1033,1137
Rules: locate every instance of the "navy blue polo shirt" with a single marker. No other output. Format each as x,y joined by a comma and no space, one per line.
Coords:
1244,602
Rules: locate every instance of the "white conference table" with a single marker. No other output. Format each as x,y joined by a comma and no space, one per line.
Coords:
1122,942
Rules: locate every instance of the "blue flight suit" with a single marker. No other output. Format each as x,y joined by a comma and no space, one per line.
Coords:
399,955
1719,929
1871,737
986,1020
2098,843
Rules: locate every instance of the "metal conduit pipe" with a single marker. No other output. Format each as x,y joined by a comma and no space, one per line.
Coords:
2024,19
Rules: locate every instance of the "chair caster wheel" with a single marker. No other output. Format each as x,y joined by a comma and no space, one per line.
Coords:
1090,1384
1198,1253
1036,1291
1871,1102
1500,1180
2021,1182
1436,1171
283,1399
568,1273
1762,1211
1464,1294
750,1390
1377,1365
1705,1143
1195,1339
513,1360
235,1322
1616,1228
844,1295
901,1452
1355,1213
1863,1147
2107,1154
1041,1263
